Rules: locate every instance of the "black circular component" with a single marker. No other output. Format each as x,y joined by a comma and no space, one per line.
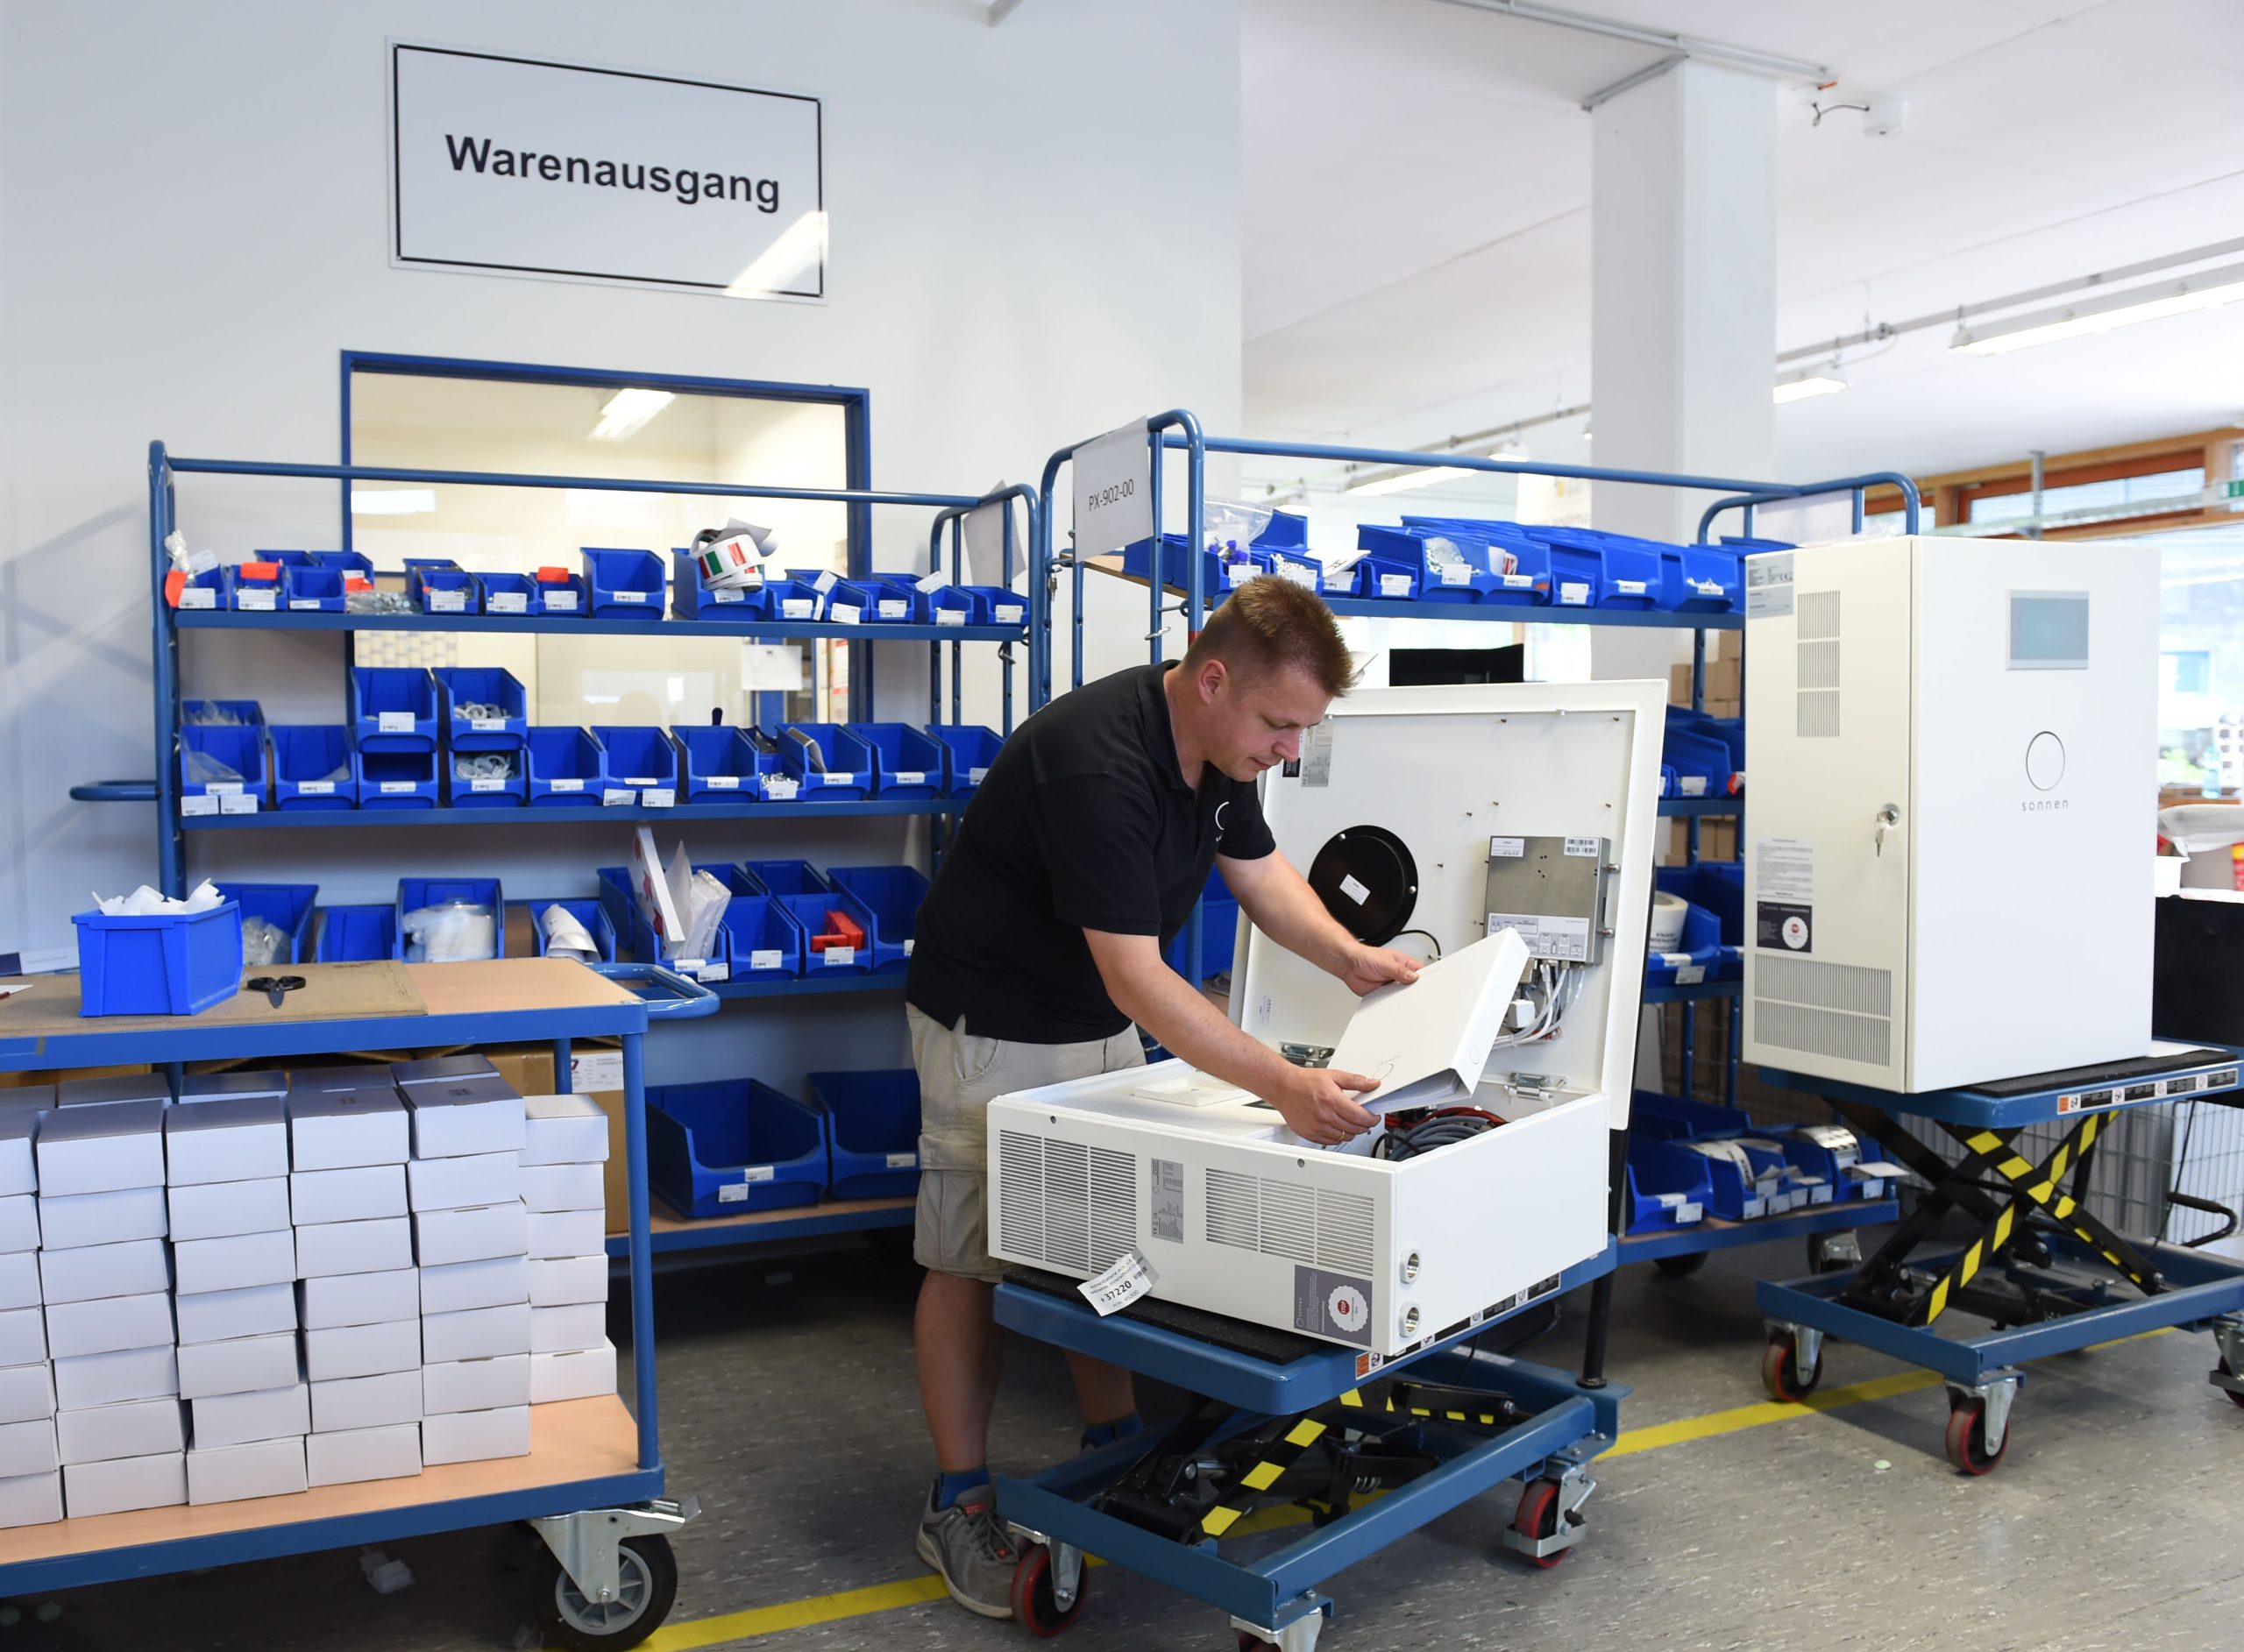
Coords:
1368,880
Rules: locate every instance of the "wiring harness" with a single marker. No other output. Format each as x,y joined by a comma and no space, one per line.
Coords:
1413,1130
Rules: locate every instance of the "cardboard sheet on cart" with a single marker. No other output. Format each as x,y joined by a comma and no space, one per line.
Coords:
330,992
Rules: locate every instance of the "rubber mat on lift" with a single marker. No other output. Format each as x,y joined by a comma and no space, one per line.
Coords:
1256,1341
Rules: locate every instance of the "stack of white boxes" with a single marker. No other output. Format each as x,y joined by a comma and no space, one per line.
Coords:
31,1482
471,1234
359,1293
572,1357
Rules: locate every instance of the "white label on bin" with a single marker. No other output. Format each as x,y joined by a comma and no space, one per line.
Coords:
903,1161
1690,974
509,602
202,804
394,722
617,797
237,804
976,777
1519,582
845,613
1236,573
565,785
950,616
1675,959
1506,848
895,607
1354,890
1395,584
796,607
825,581
907,946
262,600
629,596
716,972
1689,1211
198,597
1690,785
840,777
837,956
758,1172
303,604
726,595
733,1193
1630,587
657,796
931,582
396,786
316,788
638,780
767,958
1573,592
487,782
1009,613
445,601
560,601
487,725
781,787
224,788
1456,573
722,782
910,776
1130,1278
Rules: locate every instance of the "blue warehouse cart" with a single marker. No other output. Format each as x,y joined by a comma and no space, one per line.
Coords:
2047,1275
591,1487
1280,1419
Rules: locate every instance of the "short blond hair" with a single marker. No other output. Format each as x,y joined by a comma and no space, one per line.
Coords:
1270,623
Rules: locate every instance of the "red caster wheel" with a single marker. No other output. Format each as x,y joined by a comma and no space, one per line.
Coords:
1537,1517
1781,1375
1034,1608
2234,1398
1967,1438
1249,1642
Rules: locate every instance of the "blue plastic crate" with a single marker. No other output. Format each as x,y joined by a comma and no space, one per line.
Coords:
1715,751
763,941
398,779
689,599
505,593
640,760
356,935
168,963
205,591
616,898
392,708
624,582
1699,578
439,586
1474,575
910,761
567,767
852,602
897,601
353,565
1702,765
1717,887
1218,931
1736,1189
458,685
1669,1186
591,914
647,949
977,604
312,766
873,1124
810,913
1679,1118
1697,958
414,893
1821,1161
885,899
256,585
717,1150
1629,573
787,598
969,749
721,763
483,791
560,593
285,906
240,747
847,763
788,877
313,590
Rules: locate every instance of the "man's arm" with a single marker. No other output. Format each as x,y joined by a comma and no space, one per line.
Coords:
1280,903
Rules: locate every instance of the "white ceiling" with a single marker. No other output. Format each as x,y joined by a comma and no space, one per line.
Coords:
1417,185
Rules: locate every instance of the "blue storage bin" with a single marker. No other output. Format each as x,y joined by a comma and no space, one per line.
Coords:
1629,573
440,587
559,593
721,763
355,566
624,582
168,963
852,602
885,899
414,893
908,763
288,907
567,767
206,591
1815,1160
240,747
646,948
312,766
458,685
507,593
763,941
473,791
1678,1118
1697,959
810,912
398,779
897,601
1284,528
1716,887
642,760
1305,570
312,590
356,935
221,713
1218,931
969,749
256,585
688,600
977,604
787,877
617,899
850,764
1702,765
393,708
736,1145
1405,548
1669,1186
785,598
1388,579
873,1124
1699,578
1736,1192
591,914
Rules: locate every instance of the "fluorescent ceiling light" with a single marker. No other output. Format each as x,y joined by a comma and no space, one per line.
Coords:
1509,453
627,414
1810,381
2205,290
1402,481
801,246
393,501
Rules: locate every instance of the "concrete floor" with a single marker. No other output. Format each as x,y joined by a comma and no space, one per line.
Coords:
788,1407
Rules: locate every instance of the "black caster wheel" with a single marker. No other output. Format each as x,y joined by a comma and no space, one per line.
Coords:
1967,1438
1034,1607
1680,1267
647,1580
2234,1398
1781,1375
1537,1517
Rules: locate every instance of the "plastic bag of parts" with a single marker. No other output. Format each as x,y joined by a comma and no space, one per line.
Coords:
203,769
484,765
210,714
454,932
146,902
262,942
1232,520
368,600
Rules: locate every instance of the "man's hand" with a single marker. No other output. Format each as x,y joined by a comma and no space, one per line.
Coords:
1316,1105
1365,967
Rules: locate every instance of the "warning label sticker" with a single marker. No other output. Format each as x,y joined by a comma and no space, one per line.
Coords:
1768,585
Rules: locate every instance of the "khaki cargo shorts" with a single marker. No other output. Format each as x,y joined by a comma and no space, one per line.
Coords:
959,1074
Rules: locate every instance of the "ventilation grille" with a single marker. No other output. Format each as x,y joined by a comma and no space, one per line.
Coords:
1819,616
1808,981
1060,1202
1845,1037
1816,667
1819,665
1307,1225
1818,717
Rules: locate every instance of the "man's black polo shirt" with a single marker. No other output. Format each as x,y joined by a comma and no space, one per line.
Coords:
1084,822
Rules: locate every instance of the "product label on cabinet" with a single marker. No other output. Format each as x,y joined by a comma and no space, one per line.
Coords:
1629,587
1566,939
1456,573
728,594
397,788
316,788
565,785
1784,895
617,797
629,596
657,796
1131,1277
722,782
796,607
303,604
446,601
1165,1178
488,783
487,725
1519,582
1768,585
1573,593
910,777
845,613
237,804
1007,613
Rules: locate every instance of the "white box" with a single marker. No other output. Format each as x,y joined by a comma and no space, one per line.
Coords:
478,1333
83,1380
100,1218
470,1235
18,1127
367,1402
233,1139
554,1233
452,1118
32,1499
225,1209
556,1282
361,1351
363,1193
236,1419
19,1222
474,1385
383,1245
475,1437
392,1453
469,1179
565,1129
118,1086
442,1069
353,1127
138,1427
572,1376
23,1336
102,1149
218,1316
230,1473
131,1269
131,1482
237,1262
363,1075
337,1300
563,1187
26,1393
246,1364
111,1324
497,1282
28,1448
18,1279
567,1330
209,1087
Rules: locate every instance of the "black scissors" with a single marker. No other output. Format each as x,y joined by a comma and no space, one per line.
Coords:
275,988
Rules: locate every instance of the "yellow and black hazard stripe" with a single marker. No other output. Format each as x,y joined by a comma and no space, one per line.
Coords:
1279,1455
1395,1402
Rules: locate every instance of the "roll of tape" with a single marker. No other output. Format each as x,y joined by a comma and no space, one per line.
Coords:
1666,921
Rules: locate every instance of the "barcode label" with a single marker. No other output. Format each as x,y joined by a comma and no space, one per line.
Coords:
722,782
393,722
1573,592
976,777
445,601
316,788
1456,573
903,1161
767,958
224,788
894,608
560,601
198,597
845,613
618,798
487,725
565,785
839,777
487,782
1395,584
300,605
629,596
910,776
201,804
1009,613
1630,587
758,1172
728,595
258,599
237,804
509,602
657,796
392,787
796,607
781,787
1519,582
950,616
837,956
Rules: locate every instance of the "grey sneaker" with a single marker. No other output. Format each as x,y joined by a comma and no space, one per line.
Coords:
969,1548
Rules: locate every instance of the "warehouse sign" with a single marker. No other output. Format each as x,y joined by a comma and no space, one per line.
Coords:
510,165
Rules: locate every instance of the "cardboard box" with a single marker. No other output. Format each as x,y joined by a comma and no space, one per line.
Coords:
563,1187
32,1499
18,1129
392,1453
131,1482
367,1402
110,1324
69,1220
456,1287
555,1233
528,1067
94,1271
23,1336
574,1376
469,1179
477,1333
210,1087
19,1279
128,1087
361,1351
226,1210
457,1116
333,1301
230,1138
217,1316
557,1283
443,1069
364,1192
29,1448
567,1330
475,1385
245,1365
84,1380
336,1079
470,1235
381,1246
229,1473
233,1264
19,1222
336,1131
102,1149
475,1437
237,1419
601,1077
26,1393
139,1427
565,1129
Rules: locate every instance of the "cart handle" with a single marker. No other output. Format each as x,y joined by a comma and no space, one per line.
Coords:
115,791
686,999
2207,1207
